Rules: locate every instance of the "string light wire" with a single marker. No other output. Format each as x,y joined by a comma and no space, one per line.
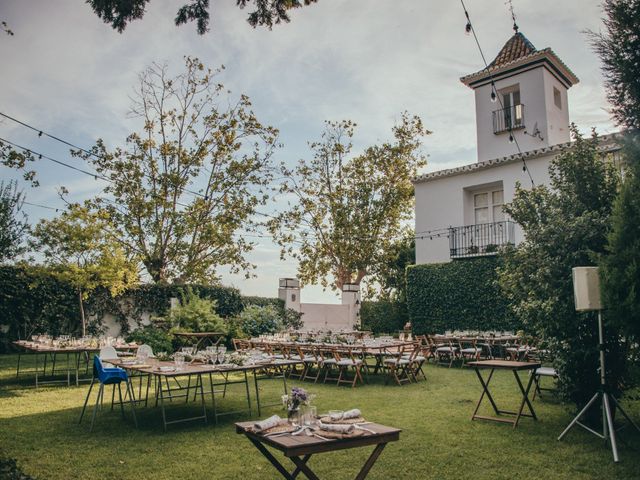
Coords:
493,86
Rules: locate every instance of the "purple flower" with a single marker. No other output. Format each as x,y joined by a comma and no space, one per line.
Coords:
298,396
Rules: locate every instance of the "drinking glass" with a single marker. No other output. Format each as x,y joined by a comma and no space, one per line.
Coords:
336,415
310,418
141,357
179,361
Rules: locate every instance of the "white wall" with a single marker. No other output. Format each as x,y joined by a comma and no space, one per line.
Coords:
557,118
440,202
317,316
536,86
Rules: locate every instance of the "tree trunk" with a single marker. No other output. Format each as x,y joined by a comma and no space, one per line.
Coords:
84,321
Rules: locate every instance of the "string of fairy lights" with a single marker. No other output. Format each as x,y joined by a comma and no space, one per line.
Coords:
96,176
422,235
469,29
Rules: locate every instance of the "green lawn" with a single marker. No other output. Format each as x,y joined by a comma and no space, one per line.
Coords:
39,428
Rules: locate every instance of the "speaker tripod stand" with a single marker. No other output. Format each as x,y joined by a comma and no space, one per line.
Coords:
608,431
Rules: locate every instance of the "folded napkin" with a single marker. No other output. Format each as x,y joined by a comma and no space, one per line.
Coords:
332,427
355,413
270,422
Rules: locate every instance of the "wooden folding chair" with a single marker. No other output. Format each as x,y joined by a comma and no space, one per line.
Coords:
345,360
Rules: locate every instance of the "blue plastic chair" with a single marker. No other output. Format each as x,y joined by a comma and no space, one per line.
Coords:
108,376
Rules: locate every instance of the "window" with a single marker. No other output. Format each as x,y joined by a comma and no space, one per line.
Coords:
512,109
510,116
488,207
557,98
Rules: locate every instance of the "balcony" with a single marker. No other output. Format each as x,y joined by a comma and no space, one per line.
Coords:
480,240
508,119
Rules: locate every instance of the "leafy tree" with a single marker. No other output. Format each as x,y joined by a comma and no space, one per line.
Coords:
346,213
565,226
78,247
621,267
181,189
619,50
266,13
12,228
391,274
11,158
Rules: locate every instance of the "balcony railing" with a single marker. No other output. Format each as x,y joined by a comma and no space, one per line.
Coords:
510,118
482,239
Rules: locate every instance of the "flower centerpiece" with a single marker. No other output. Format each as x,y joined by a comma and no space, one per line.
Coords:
238,358
294,400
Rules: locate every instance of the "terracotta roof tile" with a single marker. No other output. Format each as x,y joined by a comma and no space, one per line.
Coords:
516,47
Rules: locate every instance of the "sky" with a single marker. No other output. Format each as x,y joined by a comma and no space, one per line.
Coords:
69,74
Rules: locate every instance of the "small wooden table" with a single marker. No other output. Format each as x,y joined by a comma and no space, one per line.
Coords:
515,367
300,448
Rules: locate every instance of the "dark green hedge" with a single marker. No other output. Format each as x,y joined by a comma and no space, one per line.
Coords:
383,316
459,295
262,301
32,301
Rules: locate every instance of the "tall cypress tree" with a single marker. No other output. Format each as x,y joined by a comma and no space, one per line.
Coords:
619,50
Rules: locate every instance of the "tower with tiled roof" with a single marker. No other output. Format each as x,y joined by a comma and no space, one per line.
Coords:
521,100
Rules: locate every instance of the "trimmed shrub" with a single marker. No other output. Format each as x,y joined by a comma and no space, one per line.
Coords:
459,295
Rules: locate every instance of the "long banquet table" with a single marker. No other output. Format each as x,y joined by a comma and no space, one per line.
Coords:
167,382
51,353
378,350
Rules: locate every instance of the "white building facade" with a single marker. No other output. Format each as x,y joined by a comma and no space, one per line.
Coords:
521,106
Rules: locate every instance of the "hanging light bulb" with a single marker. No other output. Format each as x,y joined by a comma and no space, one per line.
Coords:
511,139
467,28
524,168
494,97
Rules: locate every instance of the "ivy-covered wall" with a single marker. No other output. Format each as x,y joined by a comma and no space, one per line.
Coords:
459,295
32,301
383,316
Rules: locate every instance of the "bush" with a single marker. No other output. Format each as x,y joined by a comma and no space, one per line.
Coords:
255,320
459,295
158,339
196,314
9,470
383,316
